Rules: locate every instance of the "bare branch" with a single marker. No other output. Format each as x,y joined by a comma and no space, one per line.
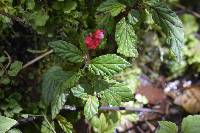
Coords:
37,59
9,59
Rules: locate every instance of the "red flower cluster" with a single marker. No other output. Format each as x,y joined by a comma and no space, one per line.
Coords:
93,40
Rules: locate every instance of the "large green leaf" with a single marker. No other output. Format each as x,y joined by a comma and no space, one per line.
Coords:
79,92
116,94
6,123
191,124
167,127
110,97
111,6
106,22
171,25
57,104
107,65
54,88
91,107
66,51
14,130
51,85
123,91
72,81
64,124
126,38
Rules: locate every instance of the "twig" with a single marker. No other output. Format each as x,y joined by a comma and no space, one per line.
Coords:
116,108
73,108
151,126
49,123
37,59
108,108
188,10
9,59
139,129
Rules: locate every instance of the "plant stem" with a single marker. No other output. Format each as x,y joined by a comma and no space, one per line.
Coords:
37,59
45,118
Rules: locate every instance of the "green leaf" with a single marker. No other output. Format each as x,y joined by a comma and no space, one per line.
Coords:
57,104
15,68
5,81
171,25
47,127
2,59
79,92
167,127
51,84
14,131
110,97
189,20
116,94
72,81
30,4
64,124
106,22
107,65
91,107
133,17
54,91
99,124
6,123
112,7
100,85
65,6
66,51
191,124
40,18
126,39
123,91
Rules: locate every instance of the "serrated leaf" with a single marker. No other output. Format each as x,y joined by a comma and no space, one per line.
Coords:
6,123
79,92
191,124
105,21
72,81
64,124
57,104
91,107
100,85
107,65
116,94
110,97
167,127
46,128
126,39
171,25
15,67
66,51
14,131
112,7
54,89
133,17
123,91
100,124
52,80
